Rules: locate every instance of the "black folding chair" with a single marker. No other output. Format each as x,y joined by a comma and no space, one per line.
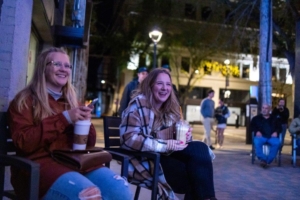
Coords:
8,158
295,149
112,144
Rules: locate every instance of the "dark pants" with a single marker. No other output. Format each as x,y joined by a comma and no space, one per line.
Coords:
190,171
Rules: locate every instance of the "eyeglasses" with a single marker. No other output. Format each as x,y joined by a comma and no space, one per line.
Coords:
60,64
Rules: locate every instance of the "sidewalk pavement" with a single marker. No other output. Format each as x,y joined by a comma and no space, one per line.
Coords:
234,175
235,178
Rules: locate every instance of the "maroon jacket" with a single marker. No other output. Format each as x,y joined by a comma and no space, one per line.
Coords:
35,140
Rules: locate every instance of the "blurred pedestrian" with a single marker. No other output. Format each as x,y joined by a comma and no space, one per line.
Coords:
130,87
221,115
207,108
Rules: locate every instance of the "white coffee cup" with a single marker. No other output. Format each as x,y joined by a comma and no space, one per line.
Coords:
81,132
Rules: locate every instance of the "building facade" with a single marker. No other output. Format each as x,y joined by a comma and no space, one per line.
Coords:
244,55
29,26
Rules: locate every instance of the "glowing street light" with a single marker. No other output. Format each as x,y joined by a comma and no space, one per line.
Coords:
227,93
227,62
155,36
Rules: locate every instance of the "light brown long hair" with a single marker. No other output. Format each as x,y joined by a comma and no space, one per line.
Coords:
170,109
37,90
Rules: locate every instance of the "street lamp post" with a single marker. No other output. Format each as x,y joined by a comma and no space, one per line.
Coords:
227,93
155,36
227,62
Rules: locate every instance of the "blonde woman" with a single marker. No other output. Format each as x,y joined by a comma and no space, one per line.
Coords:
148,124
41,118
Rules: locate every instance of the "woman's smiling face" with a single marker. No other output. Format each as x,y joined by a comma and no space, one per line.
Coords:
57,71
161,89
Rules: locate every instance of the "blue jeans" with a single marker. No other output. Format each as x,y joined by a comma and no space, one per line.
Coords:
274,143
69,185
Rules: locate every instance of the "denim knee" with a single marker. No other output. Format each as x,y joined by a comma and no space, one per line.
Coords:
112,185
69,186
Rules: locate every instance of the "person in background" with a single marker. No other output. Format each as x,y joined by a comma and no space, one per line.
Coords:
130,87
168,68
221,115
294,128
237,119
266,129
207,108
41,119
148,124
283,114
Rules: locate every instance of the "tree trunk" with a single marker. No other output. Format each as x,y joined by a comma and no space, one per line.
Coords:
297,71
265,60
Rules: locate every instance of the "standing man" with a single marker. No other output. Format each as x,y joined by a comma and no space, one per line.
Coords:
142,74
266,129
282,113
207,108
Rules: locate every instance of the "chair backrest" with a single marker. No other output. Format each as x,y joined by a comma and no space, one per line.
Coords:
111,131
6,143
6,147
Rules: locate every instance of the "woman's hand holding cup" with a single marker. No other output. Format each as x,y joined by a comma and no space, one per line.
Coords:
80,113
176,145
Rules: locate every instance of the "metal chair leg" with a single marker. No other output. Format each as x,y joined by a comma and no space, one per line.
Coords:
294,150
137,193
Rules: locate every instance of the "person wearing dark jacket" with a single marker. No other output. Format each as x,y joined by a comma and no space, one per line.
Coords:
283,114
221,115
130,87
266,129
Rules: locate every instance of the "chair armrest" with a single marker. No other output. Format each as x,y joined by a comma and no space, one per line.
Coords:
18,162
148,154
119,157
31,167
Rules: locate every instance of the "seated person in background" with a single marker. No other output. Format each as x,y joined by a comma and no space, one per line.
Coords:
41,118
294,128
148,124
266,129
130,87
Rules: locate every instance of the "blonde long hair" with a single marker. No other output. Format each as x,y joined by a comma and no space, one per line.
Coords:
37,90
170,109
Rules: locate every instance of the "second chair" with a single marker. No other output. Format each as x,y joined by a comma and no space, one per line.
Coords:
112,144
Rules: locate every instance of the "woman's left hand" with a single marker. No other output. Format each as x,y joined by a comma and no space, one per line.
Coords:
189,135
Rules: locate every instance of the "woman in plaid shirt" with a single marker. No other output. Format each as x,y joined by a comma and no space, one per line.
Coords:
148,124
